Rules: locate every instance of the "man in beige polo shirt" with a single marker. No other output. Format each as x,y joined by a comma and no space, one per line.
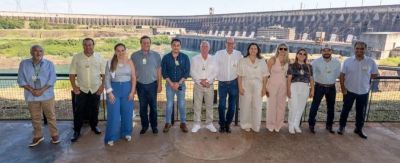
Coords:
87,79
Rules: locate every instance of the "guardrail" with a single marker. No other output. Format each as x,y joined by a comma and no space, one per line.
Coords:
383,104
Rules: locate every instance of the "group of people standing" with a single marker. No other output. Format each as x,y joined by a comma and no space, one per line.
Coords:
244,78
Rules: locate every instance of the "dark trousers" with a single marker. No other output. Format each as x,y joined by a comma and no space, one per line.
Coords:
330,97
361,104
224,89
147,94
86,104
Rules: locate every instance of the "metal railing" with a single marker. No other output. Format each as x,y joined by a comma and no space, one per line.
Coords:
383,104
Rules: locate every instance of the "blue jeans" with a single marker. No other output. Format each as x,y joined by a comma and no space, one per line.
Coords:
361,104
147,94
119,113
330,97
170,103
224,89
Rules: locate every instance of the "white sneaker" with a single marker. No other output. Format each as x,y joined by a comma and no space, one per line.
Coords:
247,129
128,138
291,130
196,128
110,143
297,129
211,128
270,130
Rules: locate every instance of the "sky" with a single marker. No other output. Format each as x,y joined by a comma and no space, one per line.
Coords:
176,7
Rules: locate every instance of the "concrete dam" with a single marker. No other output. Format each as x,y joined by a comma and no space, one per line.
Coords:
339,21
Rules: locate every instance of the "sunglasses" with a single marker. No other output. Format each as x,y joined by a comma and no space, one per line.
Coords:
284,49
302,54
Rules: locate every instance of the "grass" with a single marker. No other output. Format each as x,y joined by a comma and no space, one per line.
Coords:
68,47
394,61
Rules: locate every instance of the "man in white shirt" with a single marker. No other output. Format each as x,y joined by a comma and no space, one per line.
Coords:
326,70
86,75
355,77
203,71
227,60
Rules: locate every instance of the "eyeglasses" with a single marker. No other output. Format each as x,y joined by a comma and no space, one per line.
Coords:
284,49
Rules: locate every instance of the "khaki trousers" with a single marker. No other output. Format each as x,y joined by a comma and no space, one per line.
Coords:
36,108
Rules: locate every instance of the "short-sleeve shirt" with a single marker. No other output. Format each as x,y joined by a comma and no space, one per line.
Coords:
358,74
88,71
252,71
326,72
300,72
146,66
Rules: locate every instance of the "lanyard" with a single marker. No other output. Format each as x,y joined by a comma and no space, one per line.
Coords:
37,68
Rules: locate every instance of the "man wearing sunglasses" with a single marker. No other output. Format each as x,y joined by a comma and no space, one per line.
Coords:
355,77
326,70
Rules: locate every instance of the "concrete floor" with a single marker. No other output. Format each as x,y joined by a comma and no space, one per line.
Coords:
383,145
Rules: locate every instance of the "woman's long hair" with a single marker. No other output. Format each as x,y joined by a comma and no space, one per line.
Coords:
258,50
287,52
114,60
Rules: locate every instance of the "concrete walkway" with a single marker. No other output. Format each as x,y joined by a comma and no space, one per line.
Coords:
383,145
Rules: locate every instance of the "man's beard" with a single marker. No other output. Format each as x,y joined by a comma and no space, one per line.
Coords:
326,57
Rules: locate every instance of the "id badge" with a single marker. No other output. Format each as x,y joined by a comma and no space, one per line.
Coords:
177,62
144,61
34,78
328,71
301,72
364,68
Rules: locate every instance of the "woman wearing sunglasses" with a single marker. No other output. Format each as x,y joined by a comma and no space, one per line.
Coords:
276,88
300,86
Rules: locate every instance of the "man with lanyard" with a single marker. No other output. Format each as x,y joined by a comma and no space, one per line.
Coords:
357,71
175,68
204,71
326,70
37,76
148,73
228,60
87,79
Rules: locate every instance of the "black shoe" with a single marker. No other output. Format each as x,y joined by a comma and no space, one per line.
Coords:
221,129
75,137
360,133
155,131
143,131
340,131
329,128
228,129
96,130
312,130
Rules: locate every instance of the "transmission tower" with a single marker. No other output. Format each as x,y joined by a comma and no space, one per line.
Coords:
69,6
18,7
45,9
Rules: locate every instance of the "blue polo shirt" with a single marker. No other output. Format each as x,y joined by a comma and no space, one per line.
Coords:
175,70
